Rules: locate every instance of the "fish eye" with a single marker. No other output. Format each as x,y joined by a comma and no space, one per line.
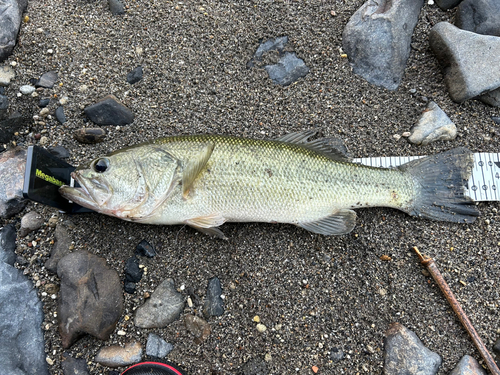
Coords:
100,165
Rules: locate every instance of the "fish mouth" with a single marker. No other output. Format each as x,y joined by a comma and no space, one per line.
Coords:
81,195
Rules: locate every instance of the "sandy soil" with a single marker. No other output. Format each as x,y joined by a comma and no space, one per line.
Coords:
322,292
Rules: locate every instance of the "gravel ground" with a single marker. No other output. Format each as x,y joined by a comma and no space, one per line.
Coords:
313,293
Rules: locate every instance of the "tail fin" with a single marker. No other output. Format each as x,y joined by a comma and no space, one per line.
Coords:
439,185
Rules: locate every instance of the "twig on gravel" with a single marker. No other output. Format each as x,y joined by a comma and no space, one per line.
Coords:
440,281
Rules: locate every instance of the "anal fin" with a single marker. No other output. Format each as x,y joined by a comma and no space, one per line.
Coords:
341,222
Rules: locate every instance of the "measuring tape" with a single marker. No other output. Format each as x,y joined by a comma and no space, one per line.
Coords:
483,184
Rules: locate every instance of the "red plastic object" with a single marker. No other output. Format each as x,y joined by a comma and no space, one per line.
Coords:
153,368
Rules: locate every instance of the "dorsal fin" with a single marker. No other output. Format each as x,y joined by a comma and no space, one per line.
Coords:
334,148
194,166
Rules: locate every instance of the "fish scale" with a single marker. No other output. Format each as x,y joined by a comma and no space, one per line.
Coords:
280,182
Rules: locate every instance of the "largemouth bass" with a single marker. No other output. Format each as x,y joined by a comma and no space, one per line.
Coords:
206,180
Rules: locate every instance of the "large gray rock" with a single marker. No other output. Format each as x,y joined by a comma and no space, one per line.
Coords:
90,300
468,366
21,316
434,125
377,40
405,353
10,22
8,244
469,60
479,16
12,167
164,306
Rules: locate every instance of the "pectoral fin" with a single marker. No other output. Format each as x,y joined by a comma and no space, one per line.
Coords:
194,167
341,222
208,224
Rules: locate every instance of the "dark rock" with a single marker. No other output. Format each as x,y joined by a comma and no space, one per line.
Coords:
109,111
61,246
479,16
12,166
288,69
469,60
91,299
44,102
198,327
116,7
6,73
8,244
491,98
4,106
11,125
21,315
10,22
214,306
135,75
60,115
30,222
434,125
132,271
145,249
47,80
468,366
90,135
404,352
59,151
2,89
129,287
157,347
162,308
377,40
255,366
73,366
116,356
496,119
447,4
336,354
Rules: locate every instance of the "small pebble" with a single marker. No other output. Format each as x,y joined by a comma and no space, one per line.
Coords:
256,319
261,327
44,102
26,89
90,135
144,248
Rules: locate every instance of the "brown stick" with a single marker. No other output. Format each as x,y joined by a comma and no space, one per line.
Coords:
440,281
